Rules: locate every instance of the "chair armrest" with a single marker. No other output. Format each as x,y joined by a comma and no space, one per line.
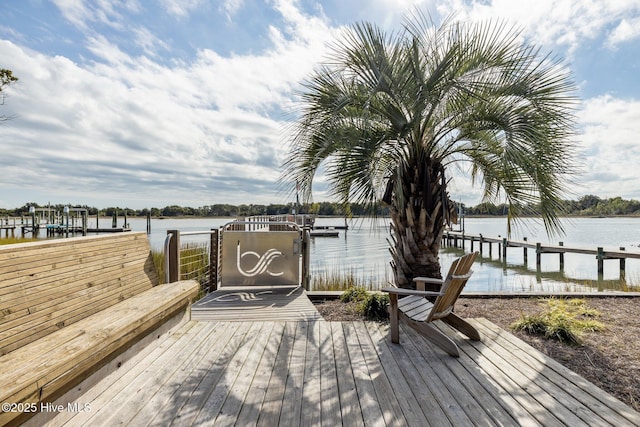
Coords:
400,291
428,280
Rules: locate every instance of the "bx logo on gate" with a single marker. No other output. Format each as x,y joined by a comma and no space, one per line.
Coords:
262,264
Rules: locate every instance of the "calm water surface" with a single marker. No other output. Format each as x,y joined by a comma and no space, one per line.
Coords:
363,251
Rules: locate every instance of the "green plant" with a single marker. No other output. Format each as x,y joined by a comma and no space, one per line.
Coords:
372,305
340,281
194,262
158,262
563,320
354,294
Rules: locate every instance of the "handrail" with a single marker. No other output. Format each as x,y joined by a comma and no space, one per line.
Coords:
288,223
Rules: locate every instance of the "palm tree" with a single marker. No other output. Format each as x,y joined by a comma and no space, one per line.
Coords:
388,115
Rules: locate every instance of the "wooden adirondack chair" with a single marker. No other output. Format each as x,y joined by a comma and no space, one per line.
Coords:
419,312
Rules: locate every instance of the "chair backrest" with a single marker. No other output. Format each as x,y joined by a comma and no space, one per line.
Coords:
455,281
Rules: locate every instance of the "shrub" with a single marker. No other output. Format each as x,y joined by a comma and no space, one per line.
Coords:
563,320
372,305
354,294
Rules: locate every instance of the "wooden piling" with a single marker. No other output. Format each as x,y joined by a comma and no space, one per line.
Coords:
600,258
213,260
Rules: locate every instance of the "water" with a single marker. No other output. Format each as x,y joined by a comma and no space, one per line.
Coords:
363,251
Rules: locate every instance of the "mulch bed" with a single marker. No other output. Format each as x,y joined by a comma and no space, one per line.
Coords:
609,359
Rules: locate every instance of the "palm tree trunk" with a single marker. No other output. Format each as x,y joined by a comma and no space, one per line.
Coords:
418,218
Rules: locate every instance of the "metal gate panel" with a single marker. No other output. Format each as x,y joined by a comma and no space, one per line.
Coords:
253,258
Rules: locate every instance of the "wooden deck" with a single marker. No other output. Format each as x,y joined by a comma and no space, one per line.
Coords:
256,303
340,373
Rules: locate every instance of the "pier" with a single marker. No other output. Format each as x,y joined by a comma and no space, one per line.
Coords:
458,239
72,221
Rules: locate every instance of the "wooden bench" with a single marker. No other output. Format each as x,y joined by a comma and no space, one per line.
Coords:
69,306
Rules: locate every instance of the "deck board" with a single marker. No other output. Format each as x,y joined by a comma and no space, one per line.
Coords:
342,373
255,303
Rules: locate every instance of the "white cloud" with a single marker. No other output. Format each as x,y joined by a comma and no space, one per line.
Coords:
231,7
627,30
157,130
82,13
609,140
181,8
553,22
209,129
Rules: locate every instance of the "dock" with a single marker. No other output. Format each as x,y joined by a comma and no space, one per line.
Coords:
458,239
269,373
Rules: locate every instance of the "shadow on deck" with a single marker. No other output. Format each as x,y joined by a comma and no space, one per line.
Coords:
340,373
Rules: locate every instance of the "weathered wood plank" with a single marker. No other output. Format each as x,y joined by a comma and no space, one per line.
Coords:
273,400
389,404
402,391
350,408
449,409
248,371
329,398
292,401
593,401
488,361
311,396
142,387
86,345
216,399
255,304
255,398
243,373
189,380
371,411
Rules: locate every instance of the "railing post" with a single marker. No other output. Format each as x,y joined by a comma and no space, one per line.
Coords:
504,248
561,258
174,256
600,258
622,265
213,260
525,253
481,244
306,257
538,255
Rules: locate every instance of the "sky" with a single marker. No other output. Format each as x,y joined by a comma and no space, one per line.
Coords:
149,103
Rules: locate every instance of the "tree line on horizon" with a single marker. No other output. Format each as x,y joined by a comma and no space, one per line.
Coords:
589,205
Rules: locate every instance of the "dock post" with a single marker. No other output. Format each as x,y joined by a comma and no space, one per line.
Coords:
471,240
504,248
561,257
481,241
622,265
32,211
600,258
538,255
149,222
174,256
306,257
525,253
213,260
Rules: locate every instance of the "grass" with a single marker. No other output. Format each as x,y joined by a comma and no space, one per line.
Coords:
12,240
194,262
564,320
340,281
